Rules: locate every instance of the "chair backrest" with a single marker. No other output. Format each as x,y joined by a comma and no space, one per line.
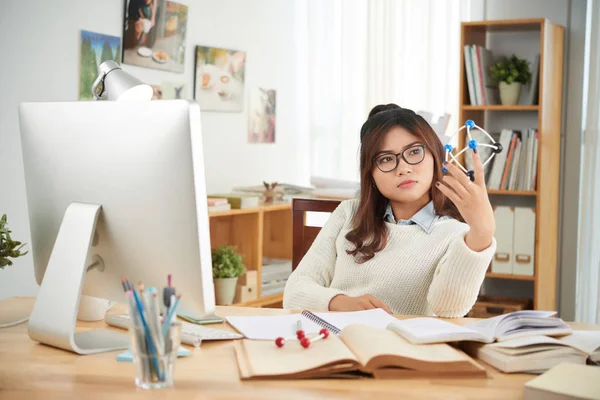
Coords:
303,236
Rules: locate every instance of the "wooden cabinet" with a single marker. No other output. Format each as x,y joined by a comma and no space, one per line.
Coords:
256,232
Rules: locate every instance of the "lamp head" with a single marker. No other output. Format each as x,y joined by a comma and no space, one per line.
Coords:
115,84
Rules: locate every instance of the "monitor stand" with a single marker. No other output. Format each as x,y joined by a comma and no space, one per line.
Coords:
54,314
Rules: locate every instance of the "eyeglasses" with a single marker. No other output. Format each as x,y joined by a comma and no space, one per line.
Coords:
388,162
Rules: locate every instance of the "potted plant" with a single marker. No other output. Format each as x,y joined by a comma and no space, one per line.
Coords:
511,73
8,248
227,266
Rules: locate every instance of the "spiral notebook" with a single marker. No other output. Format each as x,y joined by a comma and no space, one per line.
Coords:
272,327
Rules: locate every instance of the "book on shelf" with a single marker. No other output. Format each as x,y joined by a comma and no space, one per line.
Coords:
565,382
359,350
532,95
483,90
239,201
516,167
536,354
219,208
503,327
216,201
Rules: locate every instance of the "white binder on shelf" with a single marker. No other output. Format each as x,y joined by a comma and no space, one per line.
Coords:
502,263
524,241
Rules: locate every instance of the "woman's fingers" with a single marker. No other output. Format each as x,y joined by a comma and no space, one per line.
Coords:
458,173
449,193
455,185
479,171
379,304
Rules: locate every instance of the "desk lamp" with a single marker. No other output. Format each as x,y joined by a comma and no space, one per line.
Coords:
115,84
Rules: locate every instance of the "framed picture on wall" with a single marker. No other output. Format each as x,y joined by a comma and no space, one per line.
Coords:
154,34
95,49
219,79
263,104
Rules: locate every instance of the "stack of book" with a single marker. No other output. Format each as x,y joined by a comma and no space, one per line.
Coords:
275,274
482,88
216,204
516,167
235,201
523,341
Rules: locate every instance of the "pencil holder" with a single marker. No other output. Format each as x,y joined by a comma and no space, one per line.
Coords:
154,355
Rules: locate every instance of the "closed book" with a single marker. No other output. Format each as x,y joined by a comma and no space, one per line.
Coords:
359,349
239,201
536,354
565,381
215,201
219,208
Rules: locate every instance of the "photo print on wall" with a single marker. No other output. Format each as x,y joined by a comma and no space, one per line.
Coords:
219,79
154,33
95,49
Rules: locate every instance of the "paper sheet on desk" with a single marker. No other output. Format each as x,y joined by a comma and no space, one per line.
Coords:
272,327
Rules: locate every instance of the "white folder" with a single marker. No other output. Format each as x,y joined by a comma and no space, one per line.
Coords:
524,241
502,262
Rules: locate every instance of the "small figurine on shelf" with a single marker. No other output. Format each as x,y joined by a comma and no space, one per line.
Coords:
271,194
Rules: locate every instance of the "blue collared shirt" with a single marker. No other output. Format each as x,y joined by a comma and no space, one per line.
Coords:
425,217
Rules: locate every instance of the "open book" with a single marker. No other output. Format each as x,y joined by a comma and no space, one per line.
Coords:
358,349
503,327
536,354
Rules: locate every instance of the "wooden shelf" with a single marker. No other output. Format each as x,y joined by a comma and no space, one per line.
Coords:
534,36
510,276
268,208
512,192
274,299
500,107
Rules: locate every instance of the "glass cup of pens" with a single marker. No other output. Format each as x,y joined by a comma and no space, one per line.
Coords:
155,341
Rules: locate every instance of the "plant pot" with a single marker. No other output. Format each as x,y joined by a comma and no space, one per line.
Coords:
225,291
509,93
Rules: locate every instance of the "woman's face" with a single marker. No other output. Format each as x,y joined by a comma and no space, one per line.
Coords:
406,183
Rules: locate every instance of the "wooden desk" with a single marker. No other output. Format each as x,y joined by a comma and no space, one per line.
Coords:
30,370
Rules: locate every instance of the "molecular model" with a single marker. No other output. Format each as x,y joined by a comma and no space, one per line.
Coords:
472,144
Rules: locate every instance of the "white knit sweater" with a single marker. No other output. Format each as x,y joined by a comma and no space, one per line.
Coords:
417,273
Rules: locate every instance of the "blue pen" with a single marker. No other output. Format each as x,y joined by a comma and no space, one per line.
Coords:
150,342
169,317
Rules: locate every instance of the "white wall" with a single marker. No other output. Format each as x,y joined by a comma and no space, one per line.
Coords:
43,40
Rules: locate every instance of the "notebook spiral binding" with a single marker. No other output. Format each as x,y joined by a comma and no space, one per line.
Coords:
321,322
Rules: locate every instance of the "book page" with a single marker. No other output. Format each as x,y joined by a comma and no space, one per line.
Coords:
433,330
272,327
369,343
264,359
488,327
376,317
585,341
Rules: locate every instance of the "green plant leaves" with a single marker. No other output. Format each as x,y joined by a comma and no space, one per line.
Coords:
511,70
8,247
227,263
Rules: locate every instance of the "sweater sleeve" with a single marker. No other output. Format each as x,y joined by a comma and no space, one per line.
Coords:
308,286
458,277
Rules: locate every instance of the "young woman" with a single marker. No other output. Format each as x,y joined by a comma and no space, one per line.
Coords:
416,242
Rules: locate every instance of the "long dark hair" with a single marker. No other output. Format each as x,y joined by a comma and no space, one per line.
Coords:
369,233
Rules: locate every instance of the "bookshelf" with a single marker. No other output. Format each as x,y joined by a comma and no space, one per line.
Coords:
526,38
264,231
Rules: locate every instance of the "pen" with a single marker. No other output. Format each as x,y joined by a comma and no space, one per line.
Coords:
149,337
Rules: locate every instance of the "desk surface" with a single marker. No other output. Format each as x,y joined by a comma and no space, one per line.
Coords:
30,370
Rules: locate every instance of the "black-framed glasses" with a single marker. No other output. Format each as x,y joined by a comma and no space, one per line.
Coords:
387,162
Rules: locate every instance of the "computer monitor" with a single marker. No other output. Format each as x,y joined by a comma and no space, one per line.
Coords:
113,189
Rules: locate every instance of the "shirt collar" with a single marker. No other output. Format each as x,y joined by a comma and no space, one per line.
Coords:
425,217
